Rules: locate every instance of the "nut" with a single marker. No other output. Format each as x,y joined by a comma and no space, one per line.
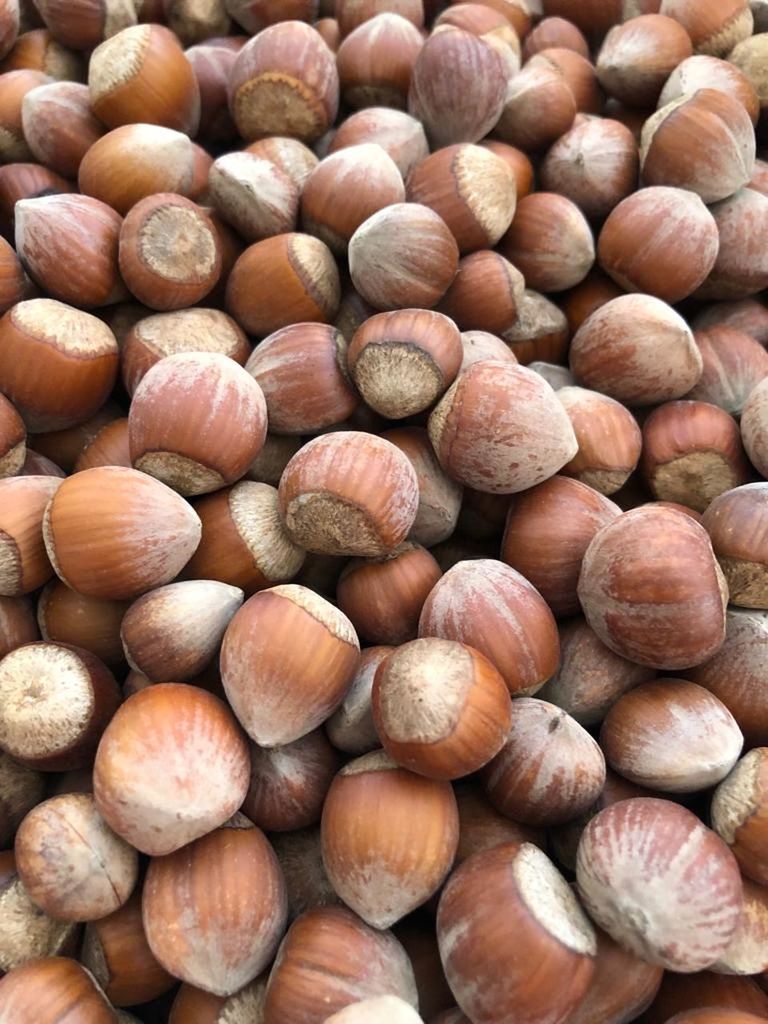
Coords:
549,242
703,72
540,331
66,617
637,58
741,267
736,527
399,135
608,435
739,813
65,986
715,26
375,61
253,195
350,728
539,107
59,125
24,564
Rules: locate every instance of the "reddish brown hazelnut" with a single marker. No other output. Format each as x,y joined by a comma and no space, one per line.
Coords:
485,295
577,72
84,25
517,161
555,31
540,331
14,86
549,242
69,990
609,439
736,524
661,884
140,798
489,606
636,58
375,61
704,72
21,789
536,439
714,28
59,125
109,448
398,134
506,899
353,13
548,530
24,563
67,617
389,837
539,107
740,811
652,590
741,267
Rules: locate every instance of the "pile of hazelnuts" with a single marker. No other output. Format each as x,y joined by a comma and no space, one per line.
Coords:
383,512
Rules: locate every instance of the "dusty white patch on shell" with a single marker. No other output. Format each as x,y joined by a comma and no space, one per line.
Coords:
551,900
375,761
397,380
379,1010
11,570
178,244
424,689
189,330
27,931
117,60
46,700
179,472
256,516
486,184
322,611
738,796
258,198
71,330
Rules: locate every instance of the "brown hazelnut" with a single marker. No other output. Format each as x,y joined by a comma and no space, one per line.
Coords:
212,66
399,135
64,447
66,988
194,22
86,24
59,125
555,31
539,107
389,837
548,530
540,331
66,617
467,434
345,189
636,58
284,82
684,913
136,792
254,15
652,590
37,50
348,493
353,13
672,736
749,56
489,606
635,243
205,1008
513,939
14,86
715,26
741,267
283,280
404,255
549,242
609,439
13,440
480,345
702,142
21,789
253,195
577,72
375,61
738,812
736,524
549,769
215,911
350,728
636,349
142,74
280,688
704,72
109,448
458,86
471,188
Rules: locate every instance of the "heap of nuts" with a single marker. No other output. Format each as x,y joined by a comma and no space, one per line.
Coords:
383,511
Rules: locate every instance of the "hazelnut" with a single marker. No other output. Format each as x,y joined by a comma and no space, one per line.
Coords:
500,429
14,284
540,331
577,72
301,860
594,291
539,107
594,164
404,255
590,677
109,448
482,827
490,607
458,86
283,280
736,524
375,61
747,952
196,422
715,26
136,161
25,181
280,688
74,694
328,30
289,783
253,195
145,533
243,540
195,1004
441,708
703,142
212,66
116,952
345,189
348,493
165,742
194,22
549,242
172,633
480,345
652,591
692,452
350,728
141,74
151,338
741,267
215,911
66,617
403,361
734,363
661,884
548,530
37,50
636,241
389,837
68,245
485,295
254,15
608,435
88,23
92,871
14,86
517,161
24,564
57,364
284,82
353,13
64,447
59,125
636,58
749,56
63,987
28,932
703,72
672,736
21,789
739,813
502,912
555,31
471,188
399,135
330,959
735,675
636,349
549,769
